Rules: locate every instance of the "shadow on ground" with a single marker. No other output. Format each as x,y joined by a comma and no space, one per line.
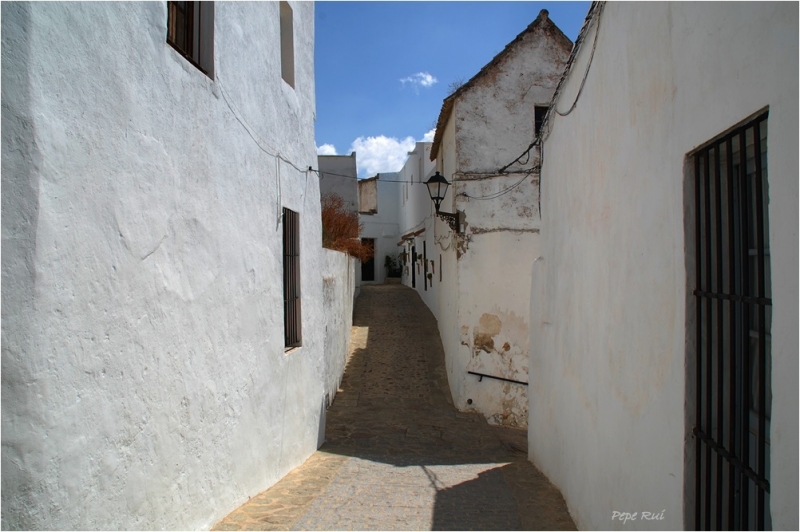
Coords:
397,454
395,408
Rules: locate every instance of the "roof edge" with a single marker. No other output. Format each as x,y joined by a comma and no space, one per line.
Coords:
449,102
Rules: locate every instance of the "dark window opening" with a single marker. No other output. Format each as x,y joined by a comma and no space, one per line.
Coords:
733,298
414,266
425,262
287,43
190,30
291,279
539,112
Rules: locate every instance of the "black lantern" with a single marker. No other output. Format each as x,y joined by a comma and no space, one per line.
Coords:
437,188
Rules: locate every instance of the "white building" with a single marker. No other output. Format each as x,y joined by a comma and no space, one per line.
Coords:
338,175
660,93
418,233
378,200
484,146
147,382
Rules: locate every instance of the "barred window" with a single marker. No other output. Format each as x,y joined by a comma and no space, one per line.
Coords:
291,279
733,298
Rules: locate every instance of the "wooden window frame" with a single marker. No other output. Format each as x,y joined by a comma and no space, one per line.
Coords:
197,25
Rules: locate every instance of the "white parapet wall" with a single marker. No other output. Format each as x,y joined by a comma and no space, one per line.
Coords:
338,293
145,380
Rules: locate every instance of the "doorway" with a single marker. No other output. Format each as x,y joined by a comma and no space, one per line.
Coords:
368,267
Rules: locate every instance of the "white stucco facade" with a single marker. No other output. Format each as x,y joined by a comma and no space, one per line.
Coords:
145,383
610,390
380,222
482,146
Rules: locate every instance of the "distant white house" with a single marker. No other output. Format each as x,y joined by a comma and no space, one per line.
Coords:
378,206
162,307
472,277
419,254
664,308
338,175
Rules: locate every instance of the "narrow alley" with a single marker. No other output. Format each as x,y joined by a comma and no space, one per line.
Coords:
397,453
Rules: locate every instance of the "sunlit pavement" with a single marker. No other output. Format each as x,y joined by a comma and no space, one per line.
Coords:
398,456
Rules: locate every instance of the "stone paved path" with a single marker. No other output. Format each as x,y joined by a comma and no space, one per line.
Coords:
398,456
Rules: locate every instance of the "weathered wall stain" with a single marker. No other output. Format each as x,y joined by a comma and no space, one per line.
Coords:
488,326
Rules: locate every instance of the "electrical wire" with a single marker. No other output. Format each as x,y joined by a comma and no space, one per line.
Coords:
594,12
588,66
496,195
438,241
320,172
527,159
253,135
280,194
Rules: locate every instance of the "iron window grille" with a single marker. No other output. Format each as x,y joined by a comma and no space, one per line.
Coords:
732,345
291,279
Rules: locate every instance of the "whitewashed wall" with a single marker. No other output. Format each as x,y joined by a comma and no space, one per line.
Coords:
607,421
145,384
338,293
416,212
383,224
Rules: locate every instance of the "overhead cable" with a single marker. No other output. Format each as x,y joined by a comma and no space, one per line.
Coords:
253,135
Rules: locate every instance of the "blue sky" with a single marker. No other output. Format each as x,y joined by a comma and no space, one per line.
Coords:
383,68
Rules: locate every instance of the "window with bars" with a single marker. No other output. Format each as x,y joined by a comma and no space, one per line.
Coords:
732,343
190,30
291,279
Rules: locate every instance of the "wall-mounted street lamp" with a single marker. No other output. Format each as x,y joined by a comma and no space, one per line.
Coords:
437,188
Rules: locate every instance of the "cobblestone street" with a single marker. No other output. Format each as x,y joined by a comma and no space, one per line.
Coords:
398,456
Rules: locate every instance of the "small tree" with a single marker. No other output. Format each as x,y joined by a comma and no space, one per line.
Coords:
454,85
340,228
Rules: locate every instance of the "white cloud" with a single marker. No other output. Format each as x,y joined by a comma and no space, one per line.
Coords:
420,79
326,149
384,154
381,154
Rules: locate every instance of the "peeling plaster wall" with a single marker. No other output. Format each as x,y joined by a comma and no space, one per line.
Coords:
144,379
494,324
495,117
609,342
368,195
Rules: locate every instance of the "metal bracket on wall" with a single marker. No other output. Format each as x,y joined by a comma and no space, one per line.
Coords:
453,220
482,375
